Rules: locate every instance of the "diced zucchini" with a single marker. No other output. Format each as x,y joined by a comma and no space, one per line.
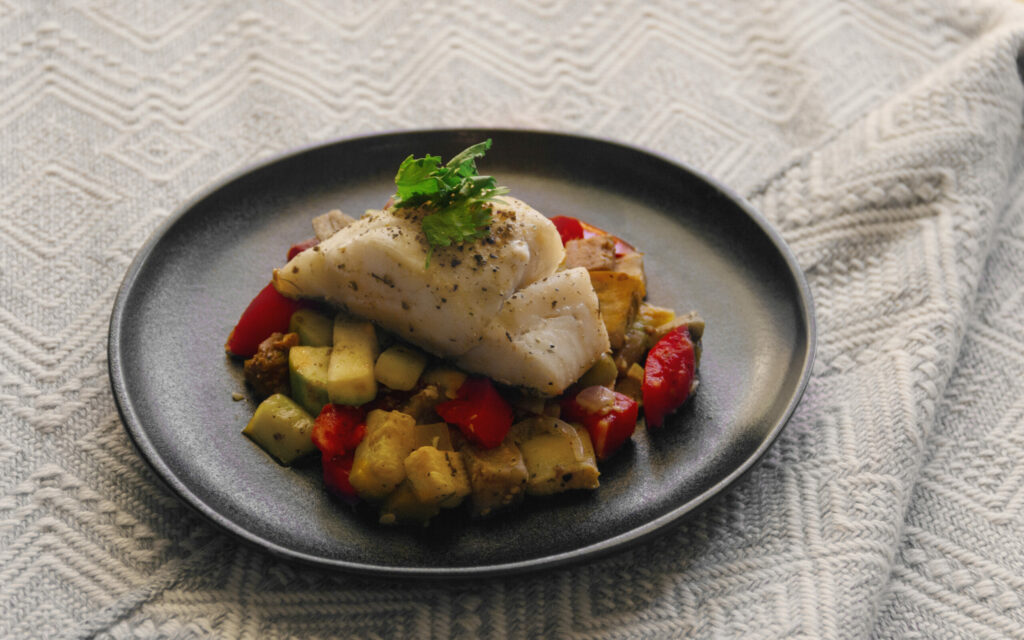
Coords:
447,380
314,329
282,428
632,383
437,477
350,377
497,476
399,367
307,368
402,506
603,372
558,456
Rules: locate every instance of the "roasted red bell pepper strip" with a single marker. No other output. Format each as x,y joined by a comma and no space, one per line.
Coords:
568,228
299,247
337,432
268,312
479,411
336,471
610,423
668,375
339,429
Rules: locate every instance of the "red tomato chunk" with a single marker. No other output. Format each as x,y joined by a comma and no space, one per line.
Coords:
568,228
668,375
480,413
269,312
337,431
608,416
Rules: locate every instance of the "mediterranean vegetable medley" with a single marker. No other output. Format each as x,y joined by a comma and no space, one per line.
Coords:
457,346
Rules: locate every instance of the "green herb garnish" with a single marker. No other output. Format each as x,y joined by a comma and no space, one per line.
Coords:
456,192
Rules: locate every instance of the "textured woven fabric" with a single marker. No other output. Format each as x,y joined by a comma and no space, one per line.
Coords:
883,139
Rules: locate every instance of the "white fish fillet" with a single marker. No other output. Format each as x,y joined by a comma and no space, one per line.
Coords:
551,330
376,268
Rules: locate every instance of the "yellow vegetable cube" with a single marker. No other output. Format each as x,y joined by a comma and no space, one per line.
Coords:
399,367
437,477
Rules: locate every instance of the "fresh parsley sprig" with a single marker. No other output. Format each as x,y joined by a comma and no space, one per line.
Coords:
455,192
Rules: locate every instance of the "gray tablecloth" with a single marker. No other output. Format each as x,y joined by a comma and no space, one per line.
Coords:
883,139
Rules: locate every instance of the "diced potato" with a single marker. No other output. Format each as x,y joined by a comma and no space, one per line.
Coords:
350,378
497,476
282,428
437,477
618,295
399,367
593,253
326,225
314,329
379,463
447,380
633,264
558,456
403,507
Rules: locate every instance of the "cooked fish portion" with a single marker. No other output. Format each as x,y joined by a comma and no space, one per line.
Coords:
377,268
545,337
496,307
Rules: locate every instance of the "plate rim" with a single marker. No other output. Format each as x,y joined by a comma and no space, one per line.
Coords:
637,535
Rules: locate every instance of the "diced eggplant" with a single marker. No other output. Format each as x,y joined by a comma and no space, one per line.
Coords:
497,476
558,456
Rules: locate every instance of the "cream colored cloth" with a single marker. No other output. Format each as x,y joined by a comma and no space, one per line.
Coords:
883,139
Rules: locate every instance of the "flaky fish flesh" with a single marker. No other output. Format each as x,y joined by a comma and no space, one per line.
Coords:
498,306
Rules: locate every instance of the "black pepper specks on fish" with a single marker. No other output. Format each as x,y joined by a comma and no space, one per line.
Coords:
385,279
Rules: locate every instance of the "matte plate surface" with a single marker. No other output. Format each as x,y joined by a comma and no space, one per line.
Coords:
705,250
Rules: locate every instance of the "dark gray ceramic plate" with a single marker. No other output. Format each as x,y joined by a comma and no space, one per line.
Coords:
706,250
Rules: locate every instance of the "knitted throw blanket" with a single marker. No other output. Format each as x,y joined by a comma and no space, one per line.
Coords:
883,140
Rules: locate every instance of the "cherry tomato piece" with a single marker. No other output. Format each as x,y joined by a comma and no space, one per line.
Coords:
610,421
568,228
668,375
479,411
